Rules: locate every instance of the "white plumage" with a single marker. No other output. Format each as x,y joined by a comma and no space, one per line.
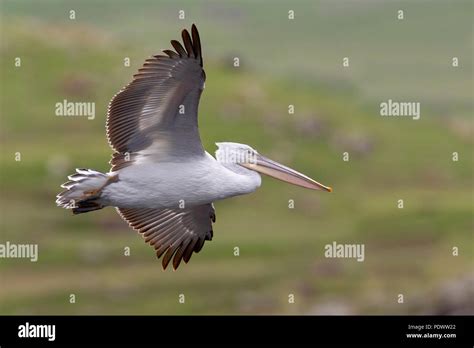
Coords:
197,181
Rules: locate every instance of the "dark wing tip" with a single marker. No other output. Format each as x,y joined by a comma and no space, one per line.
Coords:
164,263
179,48
188,44
191,48
196,43
171,54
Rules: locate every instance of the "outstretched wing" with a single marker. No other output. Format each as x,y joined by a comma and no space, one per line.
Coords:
155,115
177,232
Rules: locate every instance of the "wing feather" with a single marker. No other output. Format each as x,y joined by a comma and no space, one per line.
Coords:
174,233
196,43
188,43
144,117
179,48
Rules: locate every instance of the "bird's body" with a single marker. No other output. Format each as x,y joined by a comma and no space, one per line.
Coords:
198,180
162,181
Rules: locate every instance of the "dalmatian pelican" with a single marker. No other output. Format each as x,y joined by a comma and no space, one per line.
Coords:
162,181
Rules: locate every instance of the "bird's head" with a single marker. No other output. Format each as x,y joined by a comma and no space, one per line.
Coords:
242,158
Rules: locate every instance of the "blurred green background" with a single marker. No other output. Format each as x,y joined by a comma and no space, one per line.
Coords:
407,251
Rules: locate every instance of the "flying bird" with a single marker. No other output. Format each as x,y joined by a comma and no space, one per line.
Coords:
162,181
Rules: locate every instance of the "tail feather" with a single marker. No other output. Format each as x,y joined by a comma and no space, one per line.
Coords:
83,191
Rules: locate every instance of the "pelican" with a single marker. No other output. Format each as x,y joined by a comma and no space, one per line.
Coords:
162,181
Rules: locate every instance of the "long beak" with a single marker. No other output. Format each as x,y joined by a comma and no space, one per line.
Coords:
266,166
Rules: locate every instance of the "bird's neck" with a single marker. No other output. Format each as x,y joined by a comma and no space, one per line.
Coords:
240,180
